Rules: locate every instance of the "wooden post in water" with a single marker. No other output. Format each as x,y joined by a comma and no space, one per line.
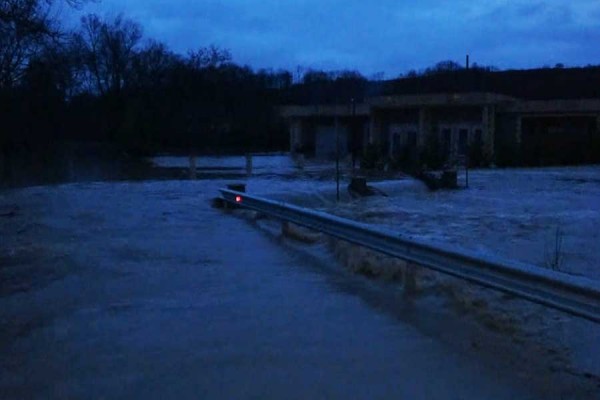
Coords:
248,164
1,164
192,166
300,161
467,172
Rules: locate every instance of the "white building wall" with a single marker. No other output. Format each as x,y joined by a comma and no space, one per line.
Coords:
326,141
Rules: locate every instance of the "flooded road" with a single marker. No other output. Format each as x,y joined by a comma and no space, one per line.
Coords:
142,290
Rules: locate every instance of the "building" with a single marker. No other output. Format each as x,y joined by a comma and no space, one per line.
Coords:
500,129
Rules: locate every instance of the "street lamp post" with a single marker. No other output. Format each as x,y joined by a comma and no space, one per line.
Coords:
354,135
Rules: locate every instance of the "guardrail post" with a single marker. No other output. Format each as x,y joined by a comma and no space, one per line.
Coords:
238,187
285,228
410,279
249,164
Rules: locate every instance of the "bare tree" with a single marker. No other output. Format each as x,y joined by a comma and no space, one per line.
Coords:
26,26
108,50
211,56
151,65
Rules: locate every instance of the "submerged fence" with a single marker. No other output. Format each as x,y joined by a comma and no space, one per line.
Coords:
572,294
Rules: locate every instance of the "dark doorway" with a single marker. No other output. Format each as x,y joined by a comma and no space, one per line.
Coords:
558,140
463,138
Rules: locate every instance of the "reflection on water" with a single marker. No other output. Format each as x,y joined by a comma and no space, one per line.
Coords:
271,163
69,163
97,162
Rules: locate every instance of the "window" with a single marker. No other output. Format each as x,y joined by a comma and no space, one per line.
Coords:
463,136
411,140
445,139
477,136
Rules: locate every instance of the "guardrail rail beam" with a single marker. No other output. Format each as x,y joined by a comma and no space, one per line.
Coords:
575,295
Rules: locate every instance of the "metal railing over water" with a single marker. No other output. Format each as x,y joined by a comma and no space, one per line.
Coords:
575,295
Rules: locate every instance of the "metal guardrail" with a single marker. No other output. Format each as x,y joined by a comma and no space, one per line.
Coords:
572,294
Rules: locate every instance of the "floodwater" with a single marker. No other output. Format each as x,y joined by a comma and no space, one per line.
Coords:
140,289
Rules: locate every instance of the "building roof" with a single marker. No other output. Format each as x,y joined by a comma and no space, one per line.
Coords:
504,103
559,106
440,99
328,110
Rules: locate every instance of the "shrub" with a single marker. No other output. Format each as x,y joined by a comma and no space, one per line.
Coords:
433,156
373,157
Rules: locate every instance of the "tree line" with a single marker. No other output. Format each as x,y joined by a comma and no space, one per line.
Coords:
105,82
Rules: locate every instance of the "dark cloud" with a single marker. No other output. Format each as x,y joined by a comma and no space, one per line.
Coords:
387,35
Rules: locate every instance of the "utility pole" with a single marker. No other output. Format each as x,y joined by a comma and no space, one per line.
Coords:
337,160
467,165
468,144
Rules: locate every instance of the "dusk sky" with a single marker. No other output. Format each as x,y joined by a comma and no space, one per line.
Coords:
389,36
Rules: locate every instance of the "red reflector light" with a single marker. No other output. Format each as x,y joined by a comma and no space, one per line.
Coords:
238,199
